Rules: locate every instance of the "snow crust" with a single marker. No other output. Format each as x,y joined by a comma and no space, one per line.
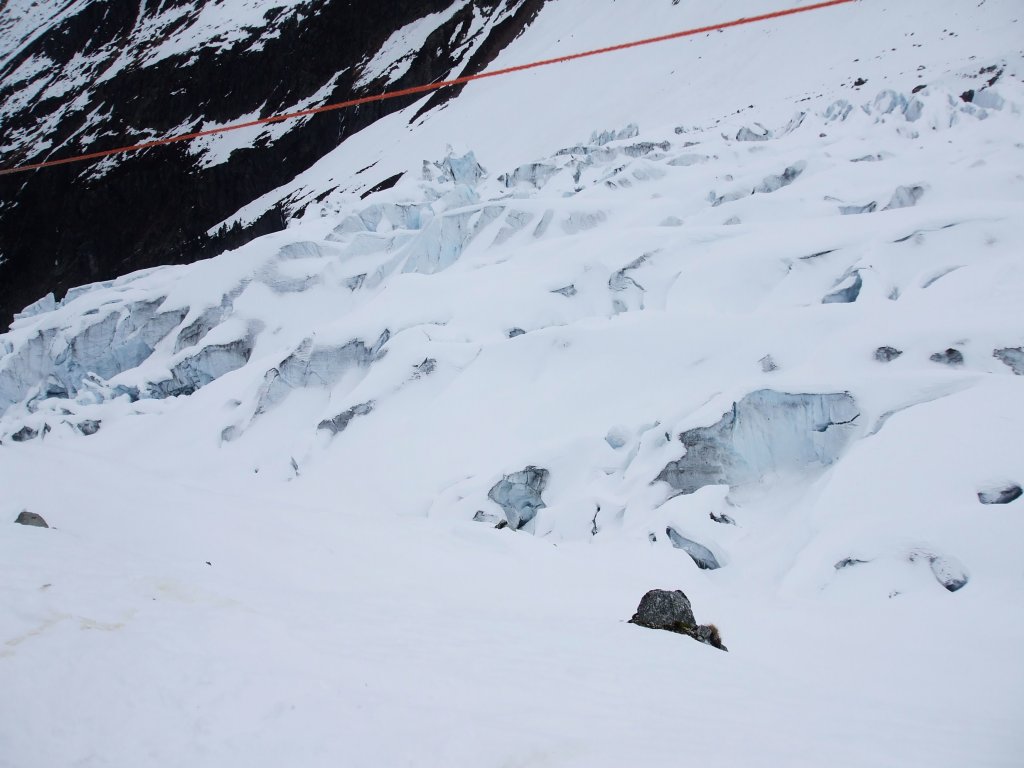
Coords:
274,539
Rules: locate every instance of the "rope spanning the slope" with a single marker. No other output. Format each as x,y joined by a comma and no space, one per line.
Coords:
426,88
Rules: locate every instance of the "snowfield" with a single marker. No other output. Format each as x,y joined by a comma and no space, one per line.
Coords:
384,488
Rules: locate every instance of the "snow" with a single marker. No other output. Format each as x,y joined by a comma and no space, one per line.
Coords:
397,53
226,581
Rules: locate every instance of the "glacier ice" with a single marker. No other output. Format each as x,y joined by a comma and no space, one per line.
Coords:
702,556
765,433
519,495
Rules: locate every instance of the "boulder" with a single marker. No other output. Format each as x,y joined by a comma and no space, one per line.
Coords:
664,609
670,610
31,518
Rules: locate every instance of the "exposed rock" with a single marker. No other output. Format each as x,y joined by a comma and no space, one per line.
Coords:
567,291
949,357
25,433
664,609
1000,495
671,611
519,495
702,556
768,364
848,294
89,426
513,332
766,432
723,518
847,562
1013,357
887,354
30,518
427,367
340,422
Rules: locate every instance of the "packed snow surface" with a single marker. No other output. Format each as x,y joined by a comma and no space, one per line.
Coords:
737,315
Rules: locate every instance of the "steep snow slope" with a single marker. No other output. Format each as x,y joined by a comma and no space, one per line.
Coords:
767,354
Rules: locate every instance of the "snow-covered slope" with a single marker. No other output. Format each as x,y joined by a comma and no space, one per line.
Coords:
737,315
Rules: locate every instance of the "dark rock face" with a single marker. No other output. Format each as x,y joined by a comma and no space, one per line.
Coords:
31,518
519,495
887,354
1003,495
126,215
1013,357
662,609
952,357
701,555
671,611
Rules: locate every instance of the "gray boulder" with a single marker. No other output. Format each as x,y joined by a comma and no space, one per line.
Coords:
31,518
670,610
519,495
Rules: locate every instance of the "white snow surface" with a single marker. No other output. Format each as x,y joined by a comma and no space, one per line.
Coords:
605,257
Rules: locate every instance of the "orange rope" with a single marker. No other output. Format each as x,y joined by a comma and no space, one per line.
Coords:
425,88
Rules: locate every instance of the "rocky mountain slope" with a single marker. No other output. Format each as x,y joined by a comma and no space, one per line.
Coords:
87,75
386,486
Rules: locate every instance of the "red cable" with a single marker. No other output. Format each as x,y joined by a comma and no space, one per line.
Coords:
425,88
